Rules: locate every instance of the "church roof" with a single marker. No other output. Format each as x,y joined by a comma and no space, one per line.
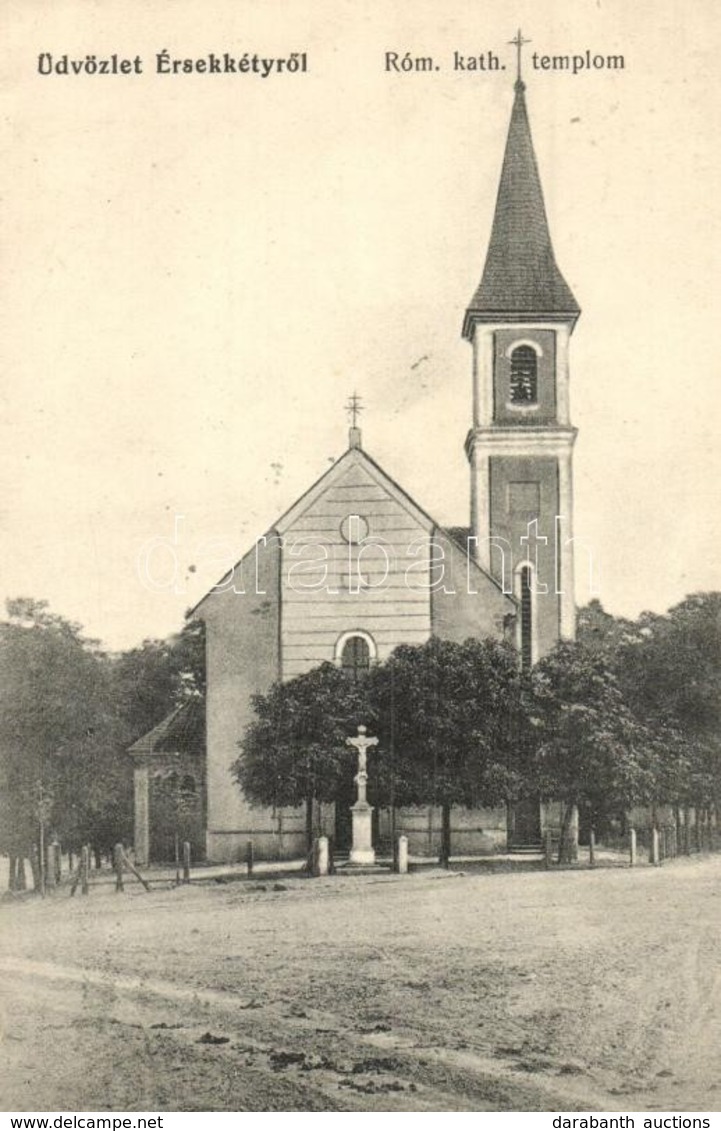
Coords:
521,278
355,454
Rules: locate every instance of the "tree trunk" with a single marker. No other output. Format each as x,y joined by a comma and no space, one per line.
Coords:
445,855
35,867
21,882
565,855
12,873
98,859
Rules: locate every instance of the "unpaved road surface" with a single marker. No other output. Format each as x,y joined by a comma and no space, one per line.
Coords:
430,992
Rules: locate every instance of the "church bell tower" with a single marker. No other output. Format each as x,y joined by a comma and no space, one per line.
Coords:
520,446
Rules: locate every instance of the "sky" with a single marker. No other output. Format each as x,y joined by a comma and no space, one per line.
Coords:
200,269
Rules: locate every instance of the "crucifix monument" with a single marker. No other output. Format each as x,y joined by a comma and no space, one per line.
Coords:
362,847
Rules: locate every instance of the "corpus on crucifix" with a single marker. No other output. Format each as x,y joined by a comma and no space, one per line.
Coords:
362,848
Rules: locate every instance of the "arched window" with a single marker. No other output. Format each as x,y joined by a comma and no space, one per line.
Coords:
524,376
355,658
526,597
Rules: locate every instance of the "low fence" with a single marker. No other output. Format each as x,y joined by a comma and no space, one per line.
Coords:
637,846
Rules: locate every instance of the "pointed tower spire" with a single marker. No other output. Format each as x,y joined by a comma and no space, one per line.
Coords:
521,279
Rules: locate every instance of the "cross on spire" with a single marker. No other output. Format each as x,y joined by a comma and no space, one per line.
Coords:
518,42
354,409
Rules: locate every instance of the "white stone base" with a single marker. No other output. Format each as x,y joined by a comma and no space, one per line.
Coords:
362,851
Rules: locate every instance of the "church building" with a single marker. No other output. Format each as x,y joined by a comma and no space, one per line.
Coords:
356,566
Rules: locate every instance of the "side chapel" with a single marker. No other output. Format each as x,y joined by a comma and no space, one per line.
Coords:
356,566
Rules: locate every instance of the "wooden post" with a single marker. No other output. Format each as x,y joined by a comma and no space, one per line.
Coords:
401,858
632,847
85,869
592,848
249,856
41,858
186,861
445,853
129,864
118,855
548,844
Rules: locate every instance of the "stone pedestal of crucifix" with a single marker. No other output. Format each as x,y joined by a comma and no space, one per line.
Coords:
362,847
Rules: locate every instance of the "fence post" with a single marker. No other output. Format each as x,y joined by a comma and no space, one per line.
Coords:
592,848
632,847
249,856
118,865
653,853
84,869
127,863
401,856
186,861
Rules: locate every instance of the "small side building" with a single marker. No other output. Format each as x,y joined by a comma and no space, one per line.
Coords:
169,786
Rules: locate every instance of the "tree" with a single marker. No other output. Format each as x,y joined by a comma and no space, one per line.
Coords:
672,676
589,749
669,670
295,751
446,715
448,719
153,679
58,732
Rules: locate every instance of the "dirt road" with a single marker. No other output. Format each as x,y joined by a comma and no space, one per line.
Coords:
443,992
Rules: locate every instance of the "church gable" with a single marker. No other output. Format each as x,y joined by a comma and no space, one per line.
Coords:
355,562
